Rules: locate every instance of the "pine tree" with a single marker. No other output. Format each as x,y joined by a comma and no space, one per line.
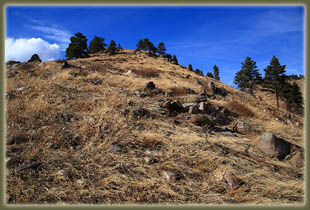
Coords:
248,76
112,48
216,73
147,45
174,60
168,56
161,49
190,67
209,74
34,57
275,79
97,45
119,48
78,47
293,97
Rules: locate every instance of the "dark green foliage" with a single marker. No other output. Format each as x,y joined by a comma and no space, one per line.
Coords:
161,49
147,45
174,60
119,48
216,73
97,45
34,57
112,48
275,79
293,97
209,74
190,67
199,72
295,77
168,56
78,47
248,77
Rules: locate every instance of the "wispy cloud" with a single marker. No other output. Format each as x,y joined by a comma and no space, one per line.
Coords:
48,30
62,37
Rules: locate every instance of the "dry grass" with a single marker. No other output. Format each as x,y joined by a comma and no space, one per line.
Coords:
70,125
239,109
147,72
177,91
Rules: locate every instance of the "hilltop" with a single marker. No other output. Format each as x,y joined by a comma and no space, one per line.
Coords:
134,129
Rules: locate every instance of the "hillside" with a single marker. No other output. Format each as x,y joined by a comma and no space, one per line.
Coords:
93,132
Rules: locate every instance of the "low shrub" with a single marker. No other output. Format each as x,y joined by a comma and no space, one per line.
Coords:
239,109
201,120
178,91
147,73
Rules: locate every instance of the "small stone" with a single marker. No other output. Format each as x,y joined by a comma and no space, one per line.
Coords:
116,148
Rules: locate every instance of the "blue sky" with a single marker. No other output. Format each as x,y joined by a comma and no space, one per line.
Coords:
203,36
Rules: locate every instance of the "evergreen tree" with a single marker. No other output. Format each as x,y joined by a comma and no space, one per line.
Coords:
293,97
161,49
190,67
34,57
174,60
209,74
78,47
97,45
248,76
216,73
146,45
112,48
168,56
275,78
119,48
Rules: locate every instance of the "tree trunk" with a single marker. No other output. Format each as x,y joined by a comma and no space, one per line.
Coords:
277,98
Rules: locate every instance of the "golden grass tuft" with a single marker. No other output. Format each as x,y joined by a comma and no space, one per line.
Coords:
147,72
239,109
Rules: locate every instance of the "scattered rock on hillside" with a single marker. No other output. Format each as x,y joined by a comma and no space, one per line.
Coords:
96,81
116,148
274,146
140,93
202,107
171,176
149,86
242,127
174,106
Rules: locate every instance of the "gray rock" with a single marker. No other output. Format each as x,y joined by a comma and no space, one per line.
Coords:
274,146
116,148
242,127
140,93
189,104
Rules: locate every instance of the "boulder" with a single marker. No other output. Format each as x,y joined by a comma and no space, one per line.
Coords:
274,146
174,106
242,127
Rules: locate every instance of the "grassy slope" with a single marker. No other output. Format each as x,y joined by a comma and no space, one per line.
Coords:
69,125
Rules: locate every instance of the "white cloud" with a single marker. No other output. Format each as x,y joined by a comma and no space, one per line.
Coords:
23,49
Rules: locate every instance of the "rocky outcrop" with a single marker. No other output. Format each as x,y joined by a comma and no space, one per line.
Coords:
274,146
